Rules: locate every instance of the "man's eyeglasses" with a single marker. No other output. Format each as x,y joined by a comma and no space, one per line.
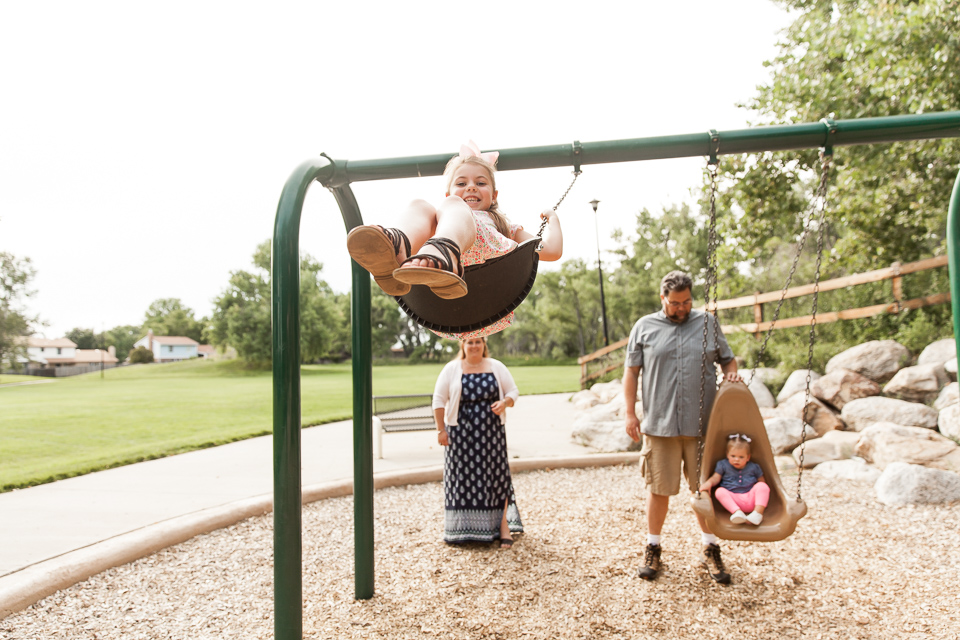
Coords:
676,305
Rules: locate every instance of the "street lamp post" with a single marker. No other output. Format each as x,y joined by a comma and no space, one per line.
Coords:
603,304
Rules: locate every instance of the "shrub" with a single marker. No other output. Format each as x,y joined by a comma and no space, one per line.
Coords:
141,355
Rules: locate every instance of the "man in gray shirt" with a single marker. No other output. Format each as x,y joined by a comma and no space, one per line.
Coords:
669,347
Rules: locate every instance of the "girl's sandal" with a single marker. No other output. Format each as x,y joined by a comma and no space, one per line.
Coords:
376,249
441,279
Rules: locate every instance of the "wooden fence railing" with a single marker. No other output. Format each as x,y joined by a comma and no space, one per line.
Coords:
601,362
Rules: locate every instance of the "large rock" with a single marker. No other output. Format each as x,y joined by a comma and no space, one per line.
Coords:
796,382
878,360
607,436
921,383
884,443
766,375
902,484
853,469
607,390
835,445
786,433
938,352
950,366
818,415
761,394
841,385
949,395
860,414
584,399
948,422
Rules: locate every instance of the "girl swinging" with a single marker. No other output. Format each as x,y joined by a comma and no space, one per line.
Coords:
466,228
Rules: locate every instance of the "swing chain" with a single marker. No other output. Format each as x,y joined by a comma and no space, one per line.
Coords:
543,225
821,195
822,201
710,280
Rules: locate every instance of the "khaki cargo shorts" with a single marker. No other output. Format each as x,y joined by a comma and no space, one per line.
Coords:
660,460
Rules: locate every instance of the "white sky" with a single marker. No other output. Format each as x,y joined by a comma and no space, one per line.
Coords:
143,146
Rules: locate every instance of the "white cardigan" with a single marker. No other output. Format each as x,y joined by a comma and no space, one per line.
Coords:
446,395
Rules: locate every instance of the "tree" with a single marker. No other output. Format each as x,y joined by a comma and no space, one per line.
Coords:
15,323
242,313
84,338
168,317
122,337
141,355
855,59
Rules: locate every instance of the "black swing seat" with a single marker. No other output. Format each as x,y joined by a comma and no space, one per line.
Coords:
735,411
494,289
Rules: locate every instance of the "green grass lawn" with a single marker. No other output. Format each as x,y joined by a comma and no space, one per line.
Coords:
84,423
9,379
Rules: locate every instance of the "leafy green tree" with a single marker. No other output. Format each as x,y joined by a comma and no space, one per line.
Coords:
141,355
242,313
122,337
168,317
15,323
83,338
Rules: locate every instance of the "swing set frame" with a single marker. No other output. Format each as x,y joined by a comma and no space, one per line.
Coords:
338,175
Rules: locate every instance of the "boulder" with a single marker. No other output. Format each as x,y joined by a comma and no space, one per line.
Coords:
607,390
818,415
584,399
860,414
835,445
785,464
785,433
607,436
884,443
852,469
766,375
761,394
948,422
902,484
796,381
938,352
950,366
949,395
920,383
841,385
769,412
878,360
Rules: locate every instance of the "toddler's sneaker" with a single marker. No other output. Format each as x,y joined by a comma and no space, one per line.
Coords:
755,518
738,517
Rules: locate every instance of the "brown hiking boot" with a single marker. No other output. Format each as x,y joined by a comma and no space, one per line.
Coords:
651,563
713,563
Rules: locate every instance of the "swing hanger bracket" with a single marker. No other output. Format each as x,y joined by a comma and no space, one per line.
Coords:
577,156
831,132
339,177
714,147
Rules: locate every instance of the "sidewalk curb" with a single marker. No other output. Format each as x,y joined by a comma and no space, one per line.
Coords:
20,589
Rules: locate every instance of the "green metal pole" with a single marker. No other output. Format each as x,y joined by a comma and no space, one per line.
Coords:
362,410
953,258
287,523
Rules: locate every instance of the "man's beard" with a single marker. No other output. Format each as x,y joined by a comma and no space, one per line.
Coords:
678,316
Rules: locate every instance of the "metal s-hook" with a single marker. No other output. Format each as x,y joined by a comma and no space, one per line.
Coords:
831,126
714,147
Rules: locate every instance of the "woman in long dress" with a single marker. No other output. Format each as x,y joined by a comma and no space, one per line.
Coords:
470,403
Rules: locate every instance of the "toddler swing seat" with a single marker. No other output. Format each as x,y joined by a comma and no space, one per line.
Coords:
735,411
494,289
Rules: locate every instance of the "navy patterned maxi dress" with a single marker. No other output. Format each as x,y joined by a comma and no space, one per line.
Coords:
476,472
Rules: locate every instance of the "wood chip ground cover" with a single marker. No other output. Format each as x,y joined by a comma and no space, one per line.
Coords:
854,569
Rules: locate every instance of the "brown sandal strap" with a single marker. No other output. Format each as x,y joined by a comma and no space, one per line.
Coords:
396,236
448,250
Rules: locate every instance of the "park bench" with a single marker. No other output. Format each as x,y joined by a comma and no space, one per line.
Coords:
400,413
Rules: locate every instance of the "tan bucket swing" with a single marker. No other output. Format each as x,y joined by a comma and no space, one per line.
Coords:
735,409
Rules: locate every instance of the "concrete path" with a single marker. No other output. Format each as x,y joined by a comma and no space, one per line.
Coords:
50,532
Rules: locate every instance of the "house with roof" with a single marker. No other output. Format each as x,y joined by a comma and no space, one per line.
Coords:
51,353
169,348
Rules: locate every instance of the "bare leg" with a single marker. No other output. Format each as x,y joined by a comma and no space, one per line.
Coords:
452,219
504,526
657,507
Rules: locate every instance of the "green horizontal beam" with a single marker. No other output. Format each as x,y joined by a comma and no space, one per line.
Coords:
754,140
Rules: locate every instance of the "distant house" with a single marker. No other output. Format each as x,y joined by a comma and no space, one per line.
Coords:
169,348
206,351
51,353
62,354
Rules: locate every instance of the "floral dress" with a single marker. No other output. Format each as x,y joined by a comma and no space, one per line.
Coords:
476,471
489,243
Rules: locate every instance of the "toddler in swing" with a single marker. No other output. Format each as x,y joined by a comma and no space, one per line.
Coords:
742,490
431,245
